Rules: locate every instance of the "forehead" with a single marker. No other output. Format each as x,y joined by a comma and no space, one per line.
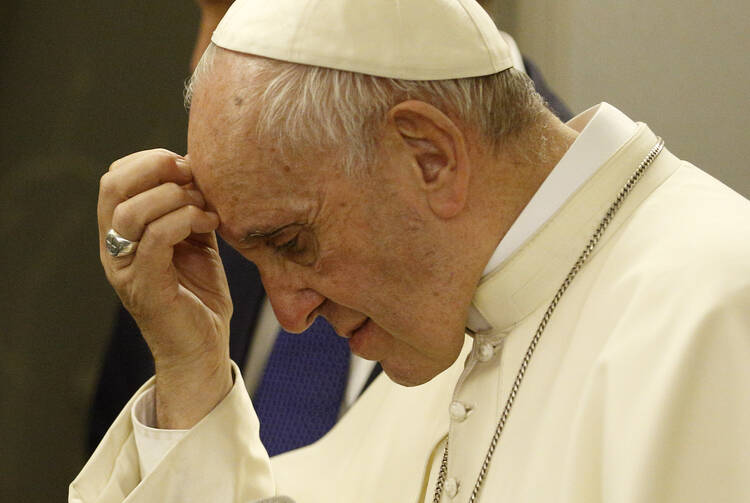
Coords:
243,179
220,119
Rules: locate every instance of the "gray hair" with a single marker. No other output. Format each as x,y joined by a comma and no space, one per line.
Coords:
303,107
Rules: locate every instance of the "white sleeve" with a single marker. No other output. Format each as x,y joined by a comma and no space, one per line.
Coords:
220,459
152,443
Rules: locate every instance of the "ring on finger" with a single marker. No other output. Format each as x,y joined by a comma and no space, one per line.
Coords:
118,246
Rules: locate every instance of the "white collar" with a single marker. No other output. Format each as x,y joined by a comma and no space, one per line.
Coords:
603,130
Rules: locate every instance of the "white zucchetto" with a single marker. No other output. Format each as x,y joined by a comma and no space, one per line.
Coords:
403,39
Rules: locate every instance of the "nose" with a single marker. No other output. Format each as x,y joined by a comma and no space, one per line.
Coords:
293,303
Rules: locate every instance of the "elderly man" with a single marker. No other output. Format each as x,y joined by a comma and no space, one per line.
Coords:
292,415
387,168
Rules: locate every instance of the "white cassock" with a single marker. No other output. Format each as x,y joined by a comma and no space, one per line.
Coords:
637,391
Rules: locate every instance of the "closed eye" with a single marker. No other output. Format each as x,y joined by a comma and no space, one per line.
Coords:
299,247
289,246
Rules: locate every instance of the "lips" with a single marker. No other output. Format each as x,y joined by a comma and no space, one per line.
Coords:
353,331
360,341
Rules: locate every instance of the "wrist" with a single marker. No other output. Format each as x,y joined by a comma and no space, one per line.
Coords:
187,391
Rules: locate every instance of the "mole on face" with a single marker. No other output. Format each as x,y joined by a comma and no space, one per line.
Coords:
237,101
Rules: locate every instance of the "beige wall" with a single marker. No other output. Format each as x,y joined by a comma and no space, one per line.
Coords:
682,67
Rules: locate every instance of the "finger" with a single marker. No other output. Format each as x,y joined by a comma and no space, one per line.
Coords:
137,175
123,161
156,247
130,217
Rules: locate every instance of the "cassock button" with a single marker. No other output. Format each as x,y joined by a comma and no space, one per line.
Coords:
451,487
458,411
485,352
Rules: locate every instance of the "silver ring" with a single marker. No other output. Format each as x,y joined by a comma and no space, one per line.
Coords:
118,246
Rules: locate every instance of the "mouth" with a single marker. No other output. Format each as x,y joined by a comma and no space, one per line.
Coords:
361,340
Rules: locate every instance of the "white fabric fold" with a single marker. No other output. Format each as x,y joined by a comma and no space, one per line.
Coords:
602,131
152,443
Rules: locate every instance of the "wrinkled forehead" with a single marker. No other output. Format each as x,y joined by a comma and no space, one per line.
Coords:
219,110
222,123
239,173
243,180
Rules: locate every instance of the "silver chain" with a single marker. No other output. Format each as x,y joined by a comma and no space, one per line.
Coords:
587,251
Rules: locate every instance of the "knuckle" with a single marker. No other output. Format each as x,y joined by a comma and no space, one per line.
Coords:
173,191
163,151
154,233
109,186
193,212
119,162
124,214
106,183
155,161
165,158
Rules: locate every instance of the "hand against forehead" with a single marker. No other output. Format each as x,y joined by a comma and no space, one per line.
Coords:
174,284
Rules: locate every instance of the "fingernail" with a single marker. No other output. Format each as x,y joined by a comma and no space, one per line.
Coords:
197,196
183,165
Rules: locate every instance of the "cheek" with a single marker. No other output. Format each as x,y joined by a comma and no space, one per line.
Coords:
378,259
351,277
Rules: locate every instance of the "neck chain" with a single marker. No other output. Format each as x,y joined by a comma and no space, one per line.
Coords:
582,259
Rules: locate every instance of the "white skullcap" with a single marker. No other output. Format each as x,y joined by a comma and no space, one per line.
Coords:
403,39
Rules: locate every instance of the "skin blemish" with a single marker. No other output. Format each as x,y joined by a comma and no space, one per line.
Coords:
237,101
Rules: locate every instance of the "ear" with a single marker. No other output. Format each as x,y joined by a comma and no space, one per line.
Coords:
438,149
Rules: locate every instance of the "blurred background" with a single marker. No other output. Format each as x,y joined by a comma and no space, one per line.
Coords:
84,84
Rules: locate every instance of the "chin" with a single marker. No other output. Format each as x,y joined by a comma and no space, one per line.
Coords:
412,374
404,363
405,379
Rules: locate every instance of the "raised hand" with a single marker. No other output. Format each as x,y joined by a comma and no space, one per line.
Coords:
174,283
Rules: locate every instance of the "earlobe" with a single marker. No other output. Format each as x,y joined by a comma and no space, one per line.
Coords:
437,147
447,193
